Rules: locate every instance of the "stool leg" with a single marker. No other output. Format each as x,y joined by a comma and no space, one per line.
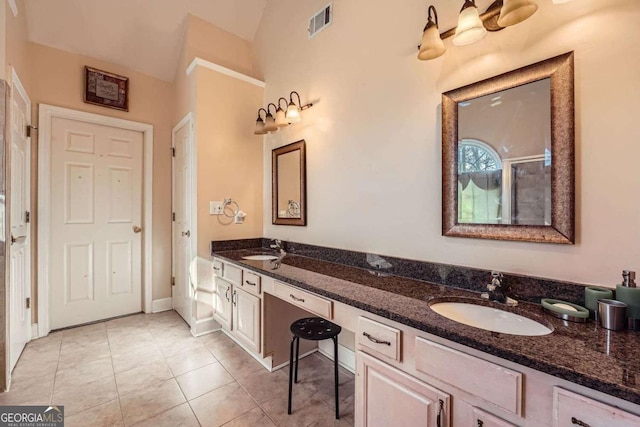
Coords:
291,361
335,367
295,377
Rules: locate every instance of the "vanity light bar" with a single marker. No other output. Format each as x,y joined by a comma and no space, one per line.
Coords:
283,117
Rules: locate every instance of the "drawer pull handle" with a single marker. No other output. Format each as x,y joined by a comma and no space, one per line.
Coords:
440,410
226,294
216,268
293,297
234,298
480,423
376,340
581,423
249,283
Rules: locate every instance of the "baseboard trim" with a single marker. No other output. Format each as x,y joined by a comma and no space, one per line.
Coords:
346,357
35,331
163,304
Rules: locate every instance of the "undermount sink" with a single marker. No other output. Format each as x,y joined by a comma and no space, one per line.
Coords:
490,318
260,257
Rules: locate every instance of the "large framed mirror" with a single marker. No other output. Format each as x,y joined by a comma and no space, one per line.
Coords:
508,155
289,184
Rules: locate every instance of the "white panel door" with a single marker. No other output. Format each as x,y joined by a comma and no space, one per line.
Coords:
182,208
20,249
96,218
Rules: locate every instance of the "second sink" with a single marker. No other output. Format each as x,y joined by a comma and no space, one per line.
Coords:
260,257
490,318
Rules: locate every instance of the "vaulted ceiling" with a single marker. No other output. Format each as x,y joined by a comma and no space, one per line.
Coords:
144,35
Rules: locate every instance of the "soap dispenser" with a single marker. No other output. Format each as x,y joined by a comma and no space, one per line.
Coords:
628,293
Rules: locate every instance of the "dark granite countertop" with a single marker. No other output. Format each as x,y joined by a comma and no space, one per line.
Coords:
582,353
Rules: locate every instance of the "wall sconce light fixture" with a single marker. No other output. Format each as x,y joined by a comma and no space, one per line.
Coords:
473,26
282,117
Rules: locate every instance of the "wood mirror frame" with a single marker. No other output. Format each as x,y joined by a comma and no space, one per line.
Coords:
562,229
302,220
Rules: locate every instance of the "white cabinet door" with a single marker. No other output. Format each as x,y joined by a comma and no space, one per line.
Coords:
246,318
386,396
485,419
223,303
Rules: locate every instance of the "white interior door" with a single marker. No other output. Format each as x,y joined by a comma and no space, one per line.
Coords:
183,236
20,248
96,218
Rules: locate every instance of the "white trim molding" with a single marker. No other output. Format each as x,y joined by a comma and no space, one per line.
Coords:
199,62
164,304
46,115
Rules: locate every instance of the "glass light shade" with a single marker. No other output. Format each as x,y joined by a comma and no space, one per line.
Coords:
470,28
270,124
293,114
515,11
259,127
432,45
281,120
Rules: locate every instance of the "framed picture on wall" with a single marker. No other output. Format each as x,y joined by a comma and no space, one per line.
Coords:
106,89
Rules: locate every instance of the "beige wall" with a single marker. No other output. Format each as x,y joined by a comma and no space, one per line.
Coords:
374,136
57,79
229,156
3,39
16,47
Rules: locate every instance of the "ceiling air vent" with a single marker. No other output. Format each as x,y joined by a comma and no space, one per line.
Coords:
321,20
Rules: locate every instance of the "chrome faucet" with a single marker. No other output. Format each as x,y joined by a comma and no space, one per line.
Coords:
277,245
496,291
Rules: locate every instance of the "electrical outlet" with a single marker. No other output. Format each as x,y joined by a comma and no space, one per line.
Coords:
215,208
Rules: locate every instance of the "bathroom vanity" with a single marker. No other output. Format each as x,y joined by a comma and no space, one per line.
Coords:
415,365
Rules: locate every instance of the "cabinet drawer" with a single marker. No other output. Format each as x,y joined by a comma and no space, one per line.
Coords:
571,410
379,338
306,300
217,267
490,382
251,282
232,273
485,419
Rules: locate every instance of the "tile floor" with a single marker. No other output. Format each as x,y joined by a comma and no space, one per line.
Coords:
147,370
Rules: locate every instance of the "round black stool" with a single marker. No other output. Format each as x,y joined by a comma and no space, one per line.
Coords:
316,329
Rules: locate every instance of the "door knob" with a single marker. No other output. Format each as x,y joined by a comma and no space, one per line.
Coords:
186,233
137,229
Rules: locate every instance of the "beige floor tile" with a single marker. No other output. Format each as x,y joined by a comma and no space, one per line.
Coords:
145,404
122,342
202,380
172,347
105,415
180,416
84,331
82,373
223,347
51,337
28,392
137,321
136,357
189,360
254,418
304,411
78,398
330,421
26,369
222,405
143,377
265,385
242,365
75,354
315,373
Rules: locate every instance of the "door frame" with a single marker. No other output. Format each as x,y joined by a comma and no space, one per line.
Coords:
193,241
46,113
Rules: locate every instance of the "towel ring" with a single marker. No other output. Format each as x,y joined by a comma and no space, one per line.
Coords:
227,203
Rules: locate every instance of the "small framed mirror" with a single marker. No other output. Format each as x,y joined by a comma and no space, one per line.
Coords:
289,184
508,155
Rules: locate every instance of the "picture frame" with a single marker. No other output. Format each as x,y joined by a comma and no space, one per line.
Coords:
106,89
